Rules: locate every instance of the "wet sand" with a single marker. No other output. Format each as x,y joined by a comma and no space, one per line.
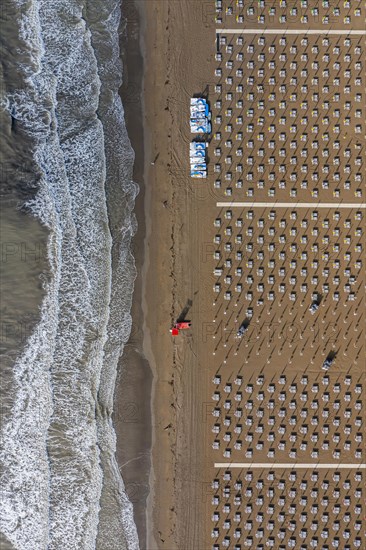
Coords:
132,417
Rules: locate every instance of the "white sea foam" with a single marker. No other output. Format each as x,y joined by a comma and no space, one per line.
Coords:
58,447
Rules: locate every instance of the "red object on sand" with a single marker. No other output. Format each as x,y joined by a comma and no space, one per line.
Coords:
183,325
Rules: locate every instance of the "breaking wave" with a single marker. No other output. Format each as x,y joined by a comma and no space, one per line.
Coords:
58,440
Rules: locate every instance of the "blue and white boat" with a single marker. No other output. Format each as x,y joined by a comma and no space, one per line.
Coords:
197,159
198,174
200,116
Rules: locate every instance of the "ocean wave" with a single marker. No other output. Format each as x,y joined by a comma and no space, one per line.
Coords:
59,442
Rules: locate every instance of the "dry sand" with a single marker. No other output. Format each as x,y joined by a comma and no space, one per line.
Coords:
173,73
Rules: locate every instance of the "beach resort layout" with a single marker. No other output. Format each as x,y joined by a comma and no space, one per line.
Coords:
183,282
276,143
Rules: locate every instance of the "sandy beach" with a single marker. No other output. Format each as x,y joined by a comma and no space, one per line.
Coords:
167,287
204,343
207,379
172,285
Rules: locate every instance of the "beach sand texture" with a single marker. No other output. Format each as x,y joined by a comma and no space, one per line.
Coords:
288,126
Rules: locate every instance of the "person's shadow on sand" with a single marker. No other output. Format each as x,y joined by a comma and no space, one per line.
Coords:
184,312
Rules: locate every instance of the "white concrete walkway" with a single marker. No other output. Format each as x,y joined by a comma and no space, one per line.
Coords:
315,205
292,31
284,465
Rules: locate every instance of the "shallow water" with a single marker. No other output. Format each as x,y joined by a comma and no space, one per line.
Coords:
69,160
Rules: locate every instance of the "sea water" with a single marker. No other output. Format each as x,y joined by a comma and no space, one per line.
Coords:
61,486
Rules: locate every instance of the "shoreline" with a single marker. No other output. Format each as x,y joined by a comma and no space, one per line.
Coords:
132,417
150,543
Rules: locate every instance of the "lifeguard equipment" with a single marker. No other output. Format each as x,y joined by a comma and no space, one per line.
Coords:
181,325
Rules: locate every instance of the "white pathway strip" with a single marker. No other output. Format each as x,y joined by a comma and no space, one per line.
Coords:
347,205
271,465
292,31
